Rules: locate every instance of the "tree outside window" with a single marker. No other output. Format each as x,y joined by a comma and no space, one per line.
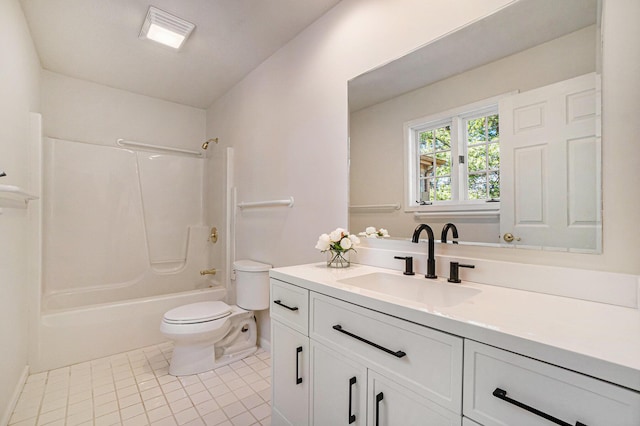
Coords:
483,157
457,158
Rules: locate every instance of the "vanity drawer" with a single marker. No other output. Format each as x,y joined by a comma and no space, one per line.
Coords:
425,360
290,305
565,395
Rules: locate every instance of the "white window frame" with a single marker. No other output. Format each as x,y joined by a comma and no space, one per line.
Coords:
457,206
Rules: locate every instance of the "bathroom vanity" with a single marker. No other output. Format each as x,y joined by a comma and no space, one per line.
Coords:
369,346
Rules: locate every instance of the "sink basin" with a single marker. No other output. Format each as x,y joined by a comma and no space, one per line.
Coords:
416,289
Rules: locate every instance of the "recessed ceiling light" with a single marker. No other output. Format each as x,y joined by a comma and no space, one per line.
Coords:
162,27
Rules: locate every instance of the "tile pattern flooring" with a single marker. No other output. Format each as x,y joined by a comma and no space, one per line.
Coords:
134,388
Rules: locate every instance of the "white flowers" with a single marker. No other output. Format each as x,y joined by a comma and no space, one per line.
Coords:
324,242
371,232
345,243
337,240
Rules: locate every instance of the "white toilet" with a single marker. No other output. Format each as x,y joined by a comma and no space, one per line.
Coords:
208,335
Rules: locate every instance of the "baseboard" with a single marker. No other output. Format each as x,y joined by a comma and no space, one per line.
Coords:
265,344
14,398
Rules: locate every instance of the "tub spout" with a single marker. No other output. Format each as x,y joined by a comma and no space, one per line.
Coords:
211,271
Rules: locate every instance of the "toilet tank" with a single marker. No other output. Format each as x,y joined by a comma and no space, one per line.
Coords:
252,284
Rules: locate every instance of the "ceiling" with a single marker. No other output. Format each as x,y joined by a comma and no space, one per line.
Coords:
519,26
97,40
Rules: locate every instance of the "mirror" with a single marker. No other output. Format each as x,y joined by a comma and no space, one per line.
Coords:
524,60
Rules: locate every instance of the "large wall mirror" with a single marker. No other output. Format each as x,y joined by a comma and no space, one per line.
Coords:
494,127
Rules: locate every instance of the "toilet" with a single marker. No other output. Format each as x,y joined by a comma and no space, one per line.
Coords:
210,334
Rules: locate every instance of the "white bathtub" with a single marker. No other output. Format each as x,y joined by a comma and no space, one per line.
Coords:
76,335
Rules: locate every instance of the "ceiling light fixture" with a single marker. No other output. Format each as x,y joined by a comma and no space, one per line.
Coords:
162,27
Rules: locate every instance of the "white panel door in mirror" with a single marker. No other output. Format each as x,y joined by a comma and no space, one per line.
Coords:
550,170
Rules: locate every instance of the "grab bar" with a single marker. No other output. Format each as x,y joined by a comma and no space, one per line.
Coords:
123,142
382,207
271,203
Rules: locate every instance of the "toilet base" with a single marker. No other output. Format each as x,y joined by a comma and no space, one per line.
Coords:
193,357
233,357
196,359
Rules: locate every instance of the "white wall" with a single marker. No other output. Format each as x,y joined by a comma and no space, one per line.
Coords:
19,94
377,144
287,120
83,111
288,123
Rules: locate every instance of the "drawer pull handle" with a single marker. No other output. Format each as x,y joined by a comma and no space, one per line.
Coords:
502,394
352,417
298,352
379,397
277,302
398,354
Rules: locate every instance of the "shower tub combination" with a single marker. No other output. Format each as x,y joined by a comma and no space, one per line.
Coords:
123,242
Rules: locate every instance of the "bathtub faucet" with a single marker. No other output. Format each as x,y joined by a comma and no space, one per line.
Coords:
211,271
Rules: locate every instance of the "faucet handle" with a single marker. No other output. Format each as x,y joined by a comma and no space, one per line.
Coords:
408,264
454,272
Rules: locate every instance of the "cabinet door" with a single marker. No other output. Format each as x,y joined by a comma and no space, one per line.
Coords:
290,376
391,404
338,388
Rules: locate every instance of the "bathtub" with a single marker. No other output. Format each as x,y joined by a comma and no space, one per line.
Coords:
71,336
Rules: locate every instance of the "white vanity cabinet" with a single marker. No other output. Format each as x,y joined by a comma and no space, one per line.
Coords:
365,367
290,355
425,361
502,389
345,392
360,366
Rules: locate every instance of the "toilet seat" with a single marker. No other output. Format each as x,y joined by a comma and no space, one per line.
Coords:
196,313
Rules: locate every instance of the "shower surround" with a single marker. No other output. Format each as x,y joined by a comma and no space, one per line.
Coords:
123,240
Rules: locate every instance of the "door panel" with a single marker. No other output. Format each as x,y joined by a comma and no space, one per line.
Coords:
550,166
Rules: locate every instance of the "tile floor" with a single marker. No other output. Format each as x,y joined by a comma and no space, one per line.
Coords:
134,388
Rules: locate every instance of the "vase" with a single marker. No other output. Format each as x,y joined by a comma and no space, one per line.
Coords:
338,259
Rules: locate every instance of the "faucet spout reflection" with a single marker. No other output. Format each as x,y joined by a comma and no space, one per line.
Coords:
445,231
431,260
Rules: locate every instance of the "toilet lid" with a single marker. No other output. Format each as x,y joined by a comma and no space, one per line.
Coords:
246,265
197,312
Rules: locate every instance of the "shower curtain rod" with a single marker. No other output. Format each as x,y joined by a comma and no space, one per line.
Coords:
123,142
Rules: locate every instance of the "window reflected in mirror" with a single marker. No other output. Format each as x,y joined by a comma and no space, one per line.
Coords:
435,139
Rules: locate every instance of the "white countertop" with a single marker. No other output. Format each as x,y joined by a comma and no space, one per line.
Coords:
592,338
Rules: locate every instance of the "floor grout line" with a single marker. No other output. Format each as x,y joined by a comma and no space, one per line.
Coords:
225,396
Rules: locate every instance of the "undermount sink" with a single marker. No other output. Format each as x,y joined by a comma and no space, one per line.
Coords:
416,289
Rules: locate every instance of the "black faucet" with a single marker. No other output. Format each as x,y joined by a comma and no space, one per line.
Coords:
431,262
445,230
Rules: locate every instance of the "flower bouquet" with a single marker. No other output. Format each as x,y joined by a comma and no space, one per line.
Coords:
372,232
337,244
